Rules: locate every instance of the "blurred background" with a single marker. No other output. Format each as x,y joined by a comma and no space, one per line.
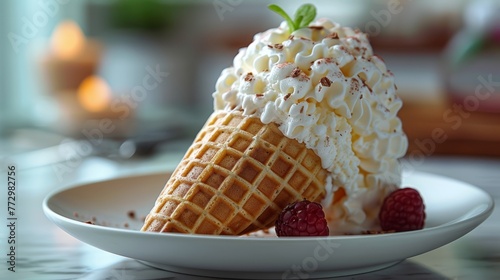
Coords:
125,79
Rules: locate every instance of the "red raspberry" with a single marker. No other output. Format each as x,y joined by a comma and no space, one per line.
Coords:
402,210
304,218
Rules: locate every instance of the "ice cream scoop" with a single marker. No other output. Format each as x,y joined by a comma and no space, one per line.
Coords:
323,86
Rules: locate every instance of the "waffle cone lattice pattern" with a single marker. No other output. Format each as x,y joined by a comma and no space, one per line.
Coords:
236,177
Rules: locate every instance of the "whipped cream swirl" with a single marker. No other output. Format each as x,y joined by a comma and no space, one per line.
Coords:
324,87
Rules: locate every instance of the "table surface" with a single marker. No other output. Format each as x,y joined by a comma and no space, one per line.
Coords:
44,251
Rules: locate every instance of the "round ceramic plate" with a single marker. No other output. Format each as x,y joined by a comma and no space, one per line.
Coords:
115,207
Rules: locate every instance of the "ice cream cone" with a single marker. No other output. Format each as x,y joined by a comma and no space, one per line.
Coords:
235,178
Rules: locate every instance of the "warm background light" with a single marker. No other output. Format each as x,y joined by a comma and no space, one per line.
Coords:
67,40
94,94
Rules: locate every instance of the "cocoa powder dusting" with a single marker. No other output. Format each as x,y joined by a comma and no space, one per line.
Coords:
249,77
316,27
131,214
367,85
325,82
296,72
334,35
354,85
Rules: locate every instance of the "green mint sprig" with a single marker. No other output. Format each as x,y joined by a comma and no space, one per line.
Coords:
304,15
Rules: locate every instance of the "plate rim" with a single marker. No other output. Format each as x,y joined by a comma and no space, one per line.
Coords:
485,213
434,237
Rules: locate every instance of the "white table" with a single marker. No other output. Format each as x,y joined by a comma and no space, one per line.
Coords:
46,252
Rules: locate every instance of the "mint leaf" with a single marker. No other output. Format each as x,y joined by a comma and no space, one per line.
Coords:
304,15
279,11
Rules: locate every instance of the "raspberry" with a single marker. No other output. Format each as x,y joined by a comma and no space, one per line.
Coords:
304,218
402,210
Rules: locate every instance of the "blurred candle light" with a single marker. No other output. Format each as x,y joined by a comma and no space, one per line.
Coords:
90,107
67,40
94,94
70,57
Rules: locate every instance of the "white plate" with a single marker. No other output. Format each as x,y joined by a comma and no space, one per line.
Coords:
453,209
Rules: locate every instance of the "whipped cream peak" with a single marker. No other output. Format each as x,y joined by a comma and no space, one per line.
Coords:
323,86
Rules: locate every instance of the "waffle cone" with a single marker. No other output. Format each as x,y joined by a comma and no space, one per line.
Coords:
235,178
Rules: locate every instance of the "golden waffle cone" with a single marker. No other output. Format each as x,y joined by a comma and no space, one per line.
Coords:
235,178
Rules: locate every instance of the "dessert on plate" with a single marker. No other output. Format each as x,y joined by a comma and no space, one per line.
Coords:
306,111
